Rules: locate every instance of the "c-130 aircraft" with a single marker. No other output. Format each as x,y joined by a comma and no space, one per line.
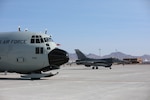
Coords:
30,53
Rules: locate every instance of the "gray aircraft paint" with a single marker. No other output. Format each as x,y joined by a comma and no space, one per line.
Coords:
18,54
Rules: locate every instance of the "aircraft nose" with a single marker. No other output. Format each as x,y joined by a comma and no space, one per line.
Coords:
58,57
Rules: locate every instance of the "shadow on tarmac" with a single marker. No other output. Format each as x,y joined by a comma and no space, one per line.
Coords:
20,79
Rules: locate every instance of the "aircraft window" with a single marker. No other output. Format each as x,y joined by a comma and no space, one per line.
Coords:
37,36
50,39
42,41
33,36
47,39
47,44
37,40
32,40
48,48
39,50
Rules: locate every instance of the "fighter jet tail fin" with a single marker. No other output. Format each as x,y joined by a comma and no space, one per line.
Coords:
80,55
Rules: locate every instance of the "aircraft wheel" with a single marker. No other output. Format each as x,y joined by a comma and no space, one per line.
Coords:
35,78
93,67
96,67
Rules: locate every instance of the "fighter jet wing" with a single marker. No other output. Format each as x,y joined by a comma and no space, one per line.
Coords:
91,62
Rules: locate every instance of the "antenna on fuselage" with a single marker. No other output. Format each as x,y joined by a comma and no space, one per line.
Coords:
19,28
26,29
45,31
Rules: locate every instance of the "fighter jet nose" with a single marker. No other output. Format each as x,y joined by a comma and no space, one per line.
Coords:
58,57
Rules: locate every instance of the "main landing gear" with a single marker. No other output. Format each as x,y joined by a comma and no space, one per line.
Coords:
95,67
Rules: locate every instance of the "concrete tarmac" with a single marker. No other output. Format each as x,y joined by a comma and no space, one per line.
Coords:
129,82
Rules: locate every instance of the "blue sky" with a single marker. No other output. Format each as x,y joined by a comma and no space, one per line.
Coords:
89,25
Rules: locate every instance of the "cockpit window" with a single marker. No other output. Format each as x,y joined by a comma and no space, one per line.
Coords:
33,36
47,39
50,39
39,39
37,36
33,39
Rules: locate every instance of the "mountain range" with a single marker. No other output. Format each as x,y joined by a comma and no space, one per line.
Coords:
118,55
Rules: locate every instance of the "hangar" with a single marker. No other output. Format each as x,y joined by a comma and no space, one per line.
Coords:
133,60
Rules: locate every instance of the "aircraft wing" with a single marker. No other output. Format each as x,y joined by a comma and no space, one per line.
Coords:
91,62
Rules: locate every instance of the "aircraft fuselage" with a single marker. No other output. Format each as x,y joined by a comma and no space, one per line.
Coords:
27,52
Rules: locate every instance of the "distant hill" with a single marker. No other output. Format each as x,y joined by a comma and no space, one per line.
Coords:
145,57
119,55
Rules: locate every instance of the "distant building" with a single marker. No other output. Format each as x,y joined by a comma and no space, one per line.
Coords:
133,60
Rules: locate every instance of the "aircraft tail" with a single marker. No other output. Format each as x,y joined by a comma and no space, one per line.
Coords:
80,55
